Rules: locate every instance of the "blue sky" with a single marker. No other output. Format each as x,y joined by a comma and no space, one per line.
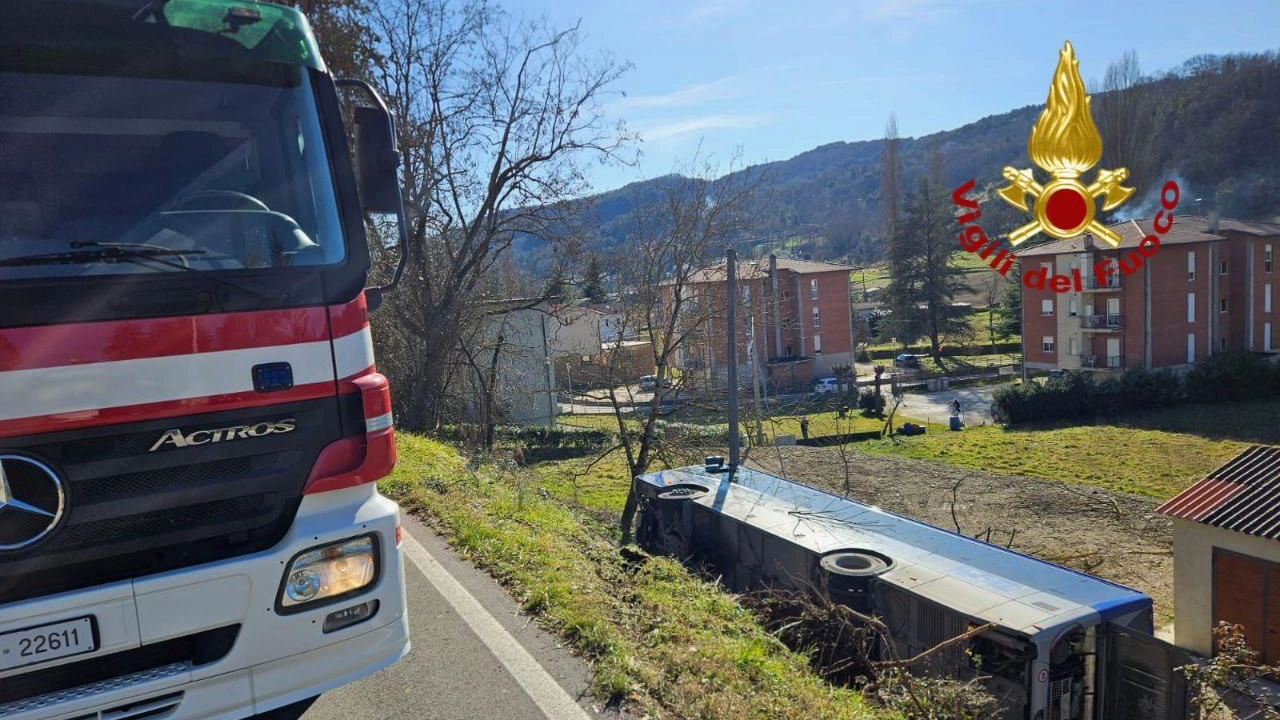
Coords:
776,78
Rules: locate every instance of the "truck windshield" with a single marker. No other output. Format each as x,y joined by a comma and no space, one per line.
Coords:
215,175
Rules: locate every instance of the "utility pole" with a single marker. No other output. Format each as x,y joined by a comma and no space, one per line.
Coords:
1022,321
731,369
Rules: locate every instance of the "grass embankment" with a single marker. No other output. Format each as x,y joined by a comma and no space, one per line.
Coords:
1156,453
675,645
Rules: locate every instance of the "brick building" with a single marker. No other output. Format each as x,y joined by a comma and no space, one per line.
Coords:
1209,288
797,311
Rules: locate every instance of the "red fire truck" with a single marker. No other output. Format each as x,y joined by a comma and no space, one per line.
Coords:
191,422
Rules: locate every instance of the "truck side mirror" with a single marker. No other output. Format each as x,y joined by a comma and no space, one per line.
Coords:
377,161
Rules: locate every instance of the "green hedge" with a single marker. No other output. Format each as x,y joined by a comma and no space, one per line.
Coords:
534,436
1230,376
830,440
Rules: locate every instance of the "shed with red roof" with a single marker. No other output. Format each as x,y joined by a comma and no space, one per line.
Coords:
1226,550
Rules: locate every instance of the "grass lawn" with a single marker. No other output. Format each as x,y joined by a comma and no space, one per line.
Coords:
1155,453
674,645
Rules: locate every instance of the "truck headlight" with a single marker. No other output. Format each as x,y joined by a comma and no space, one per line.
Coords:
328,573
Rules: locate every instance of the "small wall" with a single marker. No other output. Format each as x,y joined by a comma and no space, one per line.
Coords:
1193,545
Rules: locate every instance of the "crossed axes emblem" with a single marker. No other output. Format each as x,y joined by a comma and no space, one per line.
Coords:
1022,183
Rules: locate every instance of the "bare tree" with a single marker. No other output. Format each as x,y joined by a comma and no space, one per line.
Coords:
992,290
495,120
1125,118
675,239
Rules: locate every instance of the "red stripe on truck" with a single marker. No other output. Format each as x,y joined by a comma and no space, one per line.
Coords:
84,343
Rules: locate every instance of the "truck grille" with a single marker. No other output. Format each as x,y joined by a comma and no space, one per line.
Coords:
132,512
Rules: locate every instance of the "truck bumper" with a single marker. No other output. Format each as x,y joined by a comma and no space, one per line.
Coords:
274,660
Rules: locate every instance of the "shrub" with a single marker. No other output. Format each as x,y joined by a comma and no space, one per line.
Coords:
863,356
1230,376
869,401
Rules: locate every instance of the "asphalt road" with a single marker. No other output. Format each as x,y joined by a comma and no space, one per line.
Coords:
975,404
474,655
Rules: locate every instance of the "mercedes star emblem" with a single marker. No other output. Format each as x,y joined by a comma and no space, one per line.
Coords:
31,501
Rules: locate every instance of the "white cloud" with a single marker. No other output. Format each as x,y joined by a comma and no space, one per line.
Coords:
728,87
688,126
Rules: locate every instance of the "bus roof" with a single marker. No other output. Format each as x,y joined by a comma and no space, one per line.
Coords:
985,581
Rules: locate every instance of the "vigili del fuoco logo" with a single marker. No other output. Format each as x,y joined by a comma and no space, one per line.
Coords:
1064,143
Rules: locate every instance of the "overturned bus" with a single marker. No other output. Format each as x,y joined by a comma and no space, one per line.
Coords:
1062,645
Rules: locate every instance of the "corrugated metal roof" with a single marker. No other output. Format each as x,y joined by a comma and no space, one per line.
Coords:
1243,495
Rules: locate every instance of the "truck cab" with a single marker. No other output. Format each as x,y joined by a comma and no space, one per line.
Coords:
193,420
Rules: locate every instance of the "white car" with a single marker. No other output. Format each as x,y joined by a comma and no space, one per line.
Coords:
826,385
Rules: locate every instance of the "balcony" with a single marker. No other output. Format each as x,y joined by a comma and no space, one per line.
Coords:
1102,362
1109,321
1095,284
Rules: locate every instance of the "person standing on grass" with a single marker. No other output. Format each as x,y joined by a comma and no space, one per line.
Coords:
955,406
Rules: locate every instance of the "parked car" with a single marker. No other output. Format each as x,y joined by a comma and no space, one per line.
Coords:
826,385
907,360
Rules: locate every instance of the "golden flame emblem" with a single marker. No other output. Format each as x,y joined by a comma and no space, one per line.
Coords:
1065,143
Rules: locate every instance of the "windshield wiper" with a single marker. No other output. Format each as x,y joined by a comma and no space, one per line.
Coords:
99,253
90,251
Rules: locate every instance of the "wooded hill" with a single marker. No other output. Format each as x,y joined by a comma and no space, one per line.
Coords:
1213,124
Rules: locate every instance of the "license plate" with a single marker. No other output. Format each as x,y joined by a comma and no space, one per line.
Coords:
46,642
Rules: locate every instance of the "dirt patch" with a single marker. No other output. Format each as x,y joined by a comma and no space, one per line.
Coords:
1109,534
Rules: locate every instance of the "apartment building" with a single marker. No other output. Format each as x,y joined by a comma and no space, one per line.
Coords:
795,321
1208,289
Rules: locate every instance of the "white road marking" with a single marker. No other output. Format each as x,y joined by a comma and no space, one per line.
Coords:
543,689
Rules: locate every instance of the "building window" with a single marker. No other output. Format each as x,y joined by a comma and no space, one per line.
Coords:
1266,258
1266,297
816,323
1046,343
1222,344
1191,307
1046,307
1072,345
817,344
789,353
1222,305
1075,308
813,289
1222,267
1191,265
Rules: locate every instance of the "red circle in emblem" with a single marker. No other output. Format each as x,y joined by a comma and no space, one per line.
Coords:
1066,208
